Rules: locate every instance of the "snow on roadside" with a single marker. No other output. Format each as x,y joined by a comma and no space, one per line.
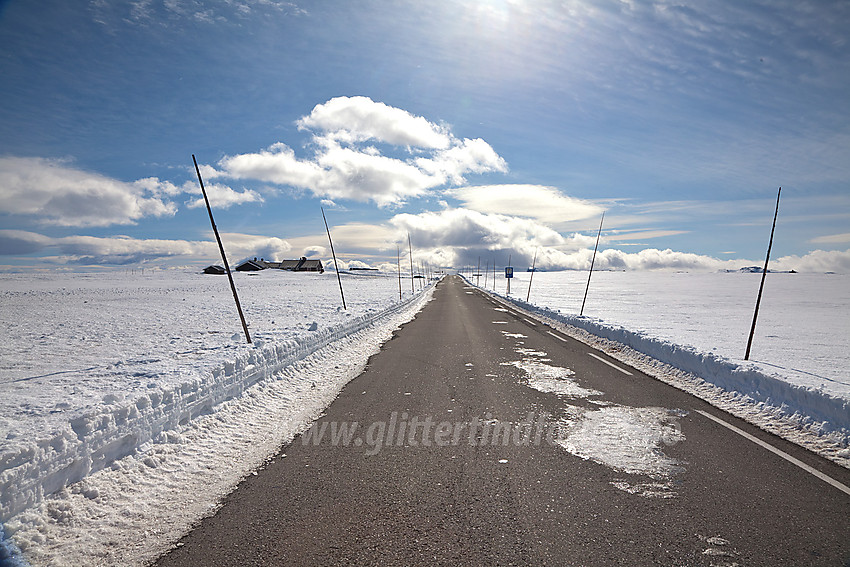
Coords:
146,448
811,417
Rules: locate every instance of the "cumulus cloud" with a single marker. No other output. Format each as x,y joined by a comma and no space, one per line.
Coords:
359,118
816,261
124,250
221,196
545,204
452,237
344,167
61,195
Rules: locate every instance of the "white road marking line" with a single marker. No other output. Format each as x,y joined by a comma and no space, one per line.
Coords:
532,323
842,487
556,336
612,365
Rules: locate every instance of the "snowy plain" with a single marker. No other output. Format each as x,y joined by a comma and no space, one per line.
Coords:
691,329
803,330
131,402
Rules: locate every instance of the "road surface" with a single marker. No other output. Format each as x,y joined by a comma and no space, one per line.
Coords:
600,465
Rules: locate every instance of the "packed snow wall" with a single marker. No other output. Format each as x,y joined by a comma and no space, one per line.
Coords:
93,440
814,409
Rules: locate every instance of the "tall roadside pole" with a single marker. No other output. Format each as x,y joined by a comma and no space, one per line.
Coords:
763,276
398,265
592,261
336,266
223,255
410,250
531,279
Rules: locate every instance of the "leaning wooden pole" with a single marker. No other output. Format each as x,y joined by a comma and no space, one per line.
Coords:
398,266
531,279
336,266
410,250
223,255
763,276
592,261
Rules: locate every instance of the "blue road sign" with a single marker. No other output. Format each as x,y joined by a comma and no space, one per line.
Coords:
509,273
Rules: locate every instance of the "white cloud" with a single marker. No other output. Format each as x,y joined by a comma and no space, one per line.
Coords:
277,164
351,238
221,196
61,195
545,204
816,261
349,174
464,156
342,168
123,250
641,234
359,118
459,236
832,239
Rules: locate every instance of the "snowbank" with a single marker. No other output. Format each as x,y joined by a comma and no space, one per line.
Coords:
746,390
121,425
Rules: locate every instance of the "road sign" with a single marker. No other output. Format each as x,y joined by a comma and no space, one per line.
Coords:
509,273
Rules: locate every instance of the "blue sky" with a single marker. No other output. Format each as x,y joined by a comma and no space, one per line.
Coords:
481,127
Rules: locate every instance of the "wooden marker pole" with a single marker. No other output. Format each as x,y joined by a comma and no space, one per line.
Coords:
410,249
398,265
598,234
223,255
336,266
763,276
531,279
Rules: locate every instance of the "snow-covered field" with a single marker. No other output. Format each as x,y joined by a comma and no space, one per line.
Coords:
130,402
141,389
698,324
803,330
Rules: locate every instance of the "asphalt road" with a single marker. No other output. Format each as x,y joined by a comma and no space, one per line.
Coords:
641,477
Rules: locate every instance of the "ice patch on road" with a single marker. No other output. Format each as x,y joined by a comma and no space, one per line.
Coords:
628,440
514,335
552,379
623,438
646,489
531,352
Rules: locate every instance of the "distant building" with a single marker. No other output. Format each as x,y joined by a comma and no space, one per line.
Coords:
301,265
214,269
251,266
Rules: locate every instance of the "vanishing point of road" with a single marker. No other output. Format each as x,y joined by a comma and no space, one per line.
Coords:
716,491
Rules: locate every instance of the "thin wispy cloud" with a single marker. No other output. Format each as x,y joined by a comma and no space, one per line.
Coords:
546,204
